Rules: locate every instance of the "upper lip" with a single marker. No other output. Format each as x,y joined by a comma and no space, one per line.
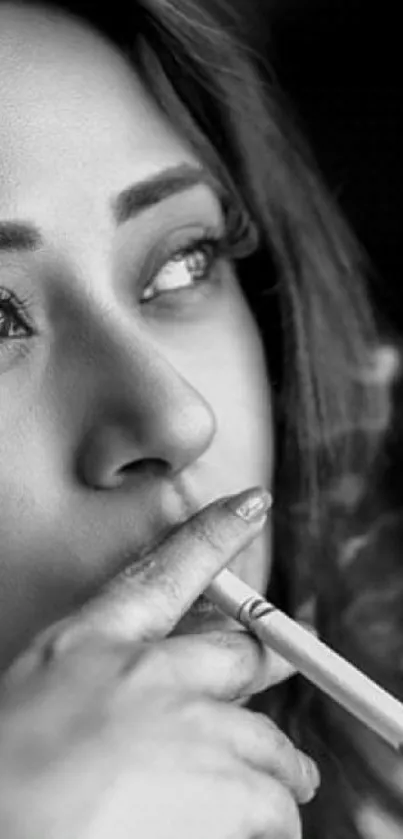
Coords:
161,506
154,506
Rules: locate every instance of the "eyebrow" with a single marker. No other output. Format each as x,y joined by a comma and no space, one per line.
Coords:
25,236
145,194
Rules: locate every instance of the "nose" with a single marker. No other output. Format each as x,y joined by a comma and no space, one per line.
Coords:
143,410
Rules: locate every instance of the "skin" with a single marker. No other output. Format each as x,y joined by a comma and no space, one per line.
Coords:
117,415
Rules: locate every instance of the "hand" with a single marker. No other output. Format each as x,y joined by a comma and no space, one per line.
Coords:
110,728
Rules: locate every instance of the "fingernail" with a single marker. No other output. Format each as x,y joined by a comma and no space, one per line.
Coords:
251,505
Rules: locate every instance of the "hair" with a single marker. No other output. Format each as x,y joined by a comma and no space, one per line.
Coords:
301,271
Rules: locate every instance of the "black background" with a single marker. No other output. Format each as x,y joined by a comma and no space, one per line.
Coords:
339,63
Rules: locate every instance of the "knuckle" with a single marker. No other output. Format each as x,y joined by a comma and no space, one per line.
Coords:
205,533
169,592
278,740
52,643
74,642
294,765
240,656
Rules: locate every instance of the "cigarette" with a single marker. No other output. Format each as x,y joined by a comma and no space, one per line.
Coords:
347,685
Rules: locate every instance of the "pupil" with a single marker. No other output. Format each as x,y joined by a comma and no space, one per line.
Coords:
197,262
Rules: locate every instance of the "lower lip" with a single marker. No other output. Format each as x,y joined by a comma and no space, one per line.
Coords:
203,616
203,607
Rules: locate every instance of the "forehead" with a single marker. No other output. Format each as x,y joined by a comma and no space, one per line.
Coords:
69,102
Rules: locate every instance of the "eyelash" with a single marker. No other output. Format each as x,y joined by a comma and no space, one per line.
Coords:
238,241
15,308
211,246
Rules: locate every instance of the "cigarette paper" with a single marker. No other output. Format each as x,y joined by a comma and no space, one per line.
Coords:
347,685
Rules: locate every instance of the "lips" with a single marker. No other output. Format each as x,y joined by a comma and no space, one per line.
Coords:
196,623
203,606
204,616
162,507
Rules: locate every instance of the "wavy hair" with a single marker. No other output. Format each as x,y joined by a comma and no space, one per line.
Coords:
301,271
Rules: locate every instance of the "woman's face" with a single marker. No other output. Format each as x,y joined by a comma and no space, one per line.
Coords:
129,381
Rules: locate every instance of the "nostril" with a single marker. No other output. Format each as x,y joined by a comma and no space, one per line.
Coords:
147,467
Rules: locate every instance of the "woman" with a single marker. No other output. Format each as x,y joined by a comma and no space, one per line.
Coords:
179,301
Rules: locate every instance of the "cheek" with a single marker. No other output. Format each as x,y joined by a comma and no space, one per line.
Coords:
31,575
38,577
29,457
238,390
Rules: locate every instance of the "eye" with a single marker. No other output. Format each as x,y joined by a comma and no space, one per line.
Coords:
12,321
185,268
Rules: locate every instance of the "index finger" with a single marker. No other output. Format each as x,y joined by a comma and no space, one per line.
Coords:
147,600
